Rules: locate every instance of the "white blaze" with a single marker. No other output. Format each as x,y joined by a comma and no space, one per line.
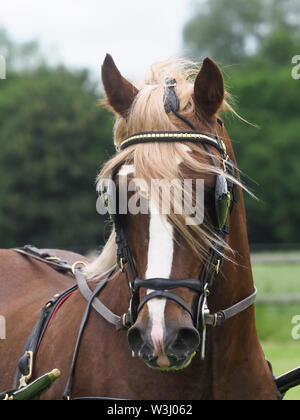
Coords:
160,258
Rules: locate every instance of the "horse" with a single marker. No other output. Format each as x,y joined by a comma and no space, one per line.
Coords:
166,127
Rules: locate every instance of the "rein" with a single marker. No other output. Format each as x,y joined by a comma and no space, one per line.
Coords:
32,346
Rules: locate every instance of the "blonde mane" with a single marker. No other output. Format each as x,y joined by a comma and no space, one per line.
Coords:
159,160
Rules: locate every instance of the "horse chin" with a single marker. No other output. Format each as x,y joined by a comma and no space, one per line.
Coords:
166,366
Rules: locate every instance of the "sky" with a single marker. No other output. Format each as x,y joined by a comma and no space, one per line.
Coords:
79,33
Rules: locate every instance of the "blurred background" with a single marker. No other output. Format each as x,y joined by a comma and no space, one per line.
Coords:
54,137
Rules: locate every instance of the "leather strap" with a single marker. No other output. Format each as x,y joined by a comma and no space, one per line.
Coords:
214,320
96,303
60,265
45,257
30,350
162,284
100,286
164,294
218,319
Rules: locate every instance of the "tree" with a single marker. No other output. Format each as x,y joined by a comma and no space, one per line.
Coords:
261,37
269,154
233,30
53,139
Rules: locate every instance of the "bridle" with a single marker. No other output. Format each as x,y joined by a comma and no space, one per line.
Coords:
225,195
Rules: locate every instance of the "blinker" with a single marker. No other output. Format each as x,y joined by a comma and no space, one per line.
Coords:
222,201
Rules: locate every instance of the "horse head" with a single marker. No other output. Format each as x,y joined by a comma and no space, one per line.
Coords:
167,130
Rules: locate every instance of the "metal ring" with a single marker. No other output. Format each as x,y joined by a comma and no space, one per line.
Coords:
77,263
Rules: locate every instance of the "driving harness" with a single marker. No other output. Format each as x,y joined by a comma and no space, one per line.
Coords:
225,195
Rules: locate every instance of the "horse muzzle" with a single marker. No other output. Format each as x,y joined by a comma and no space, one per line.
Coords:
173,351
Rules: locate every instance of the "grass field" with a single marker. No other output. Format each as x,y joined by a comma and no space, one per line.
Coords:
284,357
274,322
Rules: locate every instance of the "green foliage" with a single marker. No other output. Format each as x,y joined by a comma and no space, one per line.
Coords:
222,29
232,30
274,321
53,139
269,155
277,278
284,357
260,43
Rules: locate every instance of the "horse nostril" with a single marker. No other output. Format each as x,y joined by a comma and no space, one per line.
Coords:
186,342
135,339
139,346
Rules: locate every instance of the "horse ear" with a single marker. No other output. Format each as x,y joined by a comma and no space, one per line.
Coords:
209,88
120,92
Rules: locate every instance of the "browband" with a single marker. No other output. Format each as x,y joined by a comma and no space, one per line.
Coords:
171,136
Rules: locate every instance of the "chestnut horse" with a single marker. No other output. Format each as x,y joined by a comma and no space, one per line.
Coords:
234,366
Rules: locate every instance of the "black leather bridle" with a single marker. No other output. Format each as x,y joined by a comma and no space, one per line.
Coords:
225,195
162,286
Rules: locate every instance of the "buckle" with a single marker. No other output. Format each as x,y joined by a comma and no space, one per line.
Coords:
74,266
52,301
25,378
225,160
215,320
224,148
122,263
217,267
125,322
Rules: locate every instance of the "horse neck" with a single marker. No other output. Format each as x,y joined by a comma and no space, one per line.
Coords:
234,354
